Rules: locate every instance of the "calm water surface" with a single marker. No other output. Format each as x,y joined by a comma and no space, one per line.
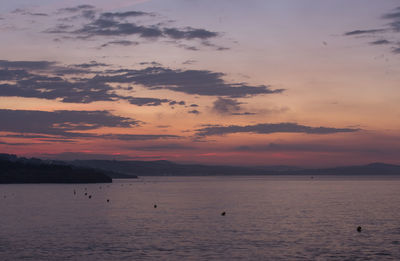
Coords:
267,218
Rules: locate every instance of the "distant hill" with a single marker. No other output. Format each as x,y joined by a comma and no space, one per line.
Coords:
167,168
370,169
22,170
19,170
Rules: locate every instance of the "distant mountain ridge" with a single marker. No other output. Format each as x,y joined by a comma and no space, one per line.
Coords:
132,169
168,168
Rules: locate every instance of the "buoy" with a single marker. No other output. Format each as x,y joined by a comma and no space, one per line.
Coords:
223,213
85,193
358,229
155,206
90,196
108,200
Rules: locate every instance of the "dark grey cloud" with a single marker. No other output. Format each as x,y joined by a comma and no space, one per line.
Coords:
194,112
120,43
75,9
71,136
172,103
246,113
153,63
120,24
396,50
119,15
65,126
149,101
15,143
189,33
110,27
363,32
91,65
394,18
31,84
268,128
27,12
200,82
62,123
392,28
189,62
380,42
62,83
226,106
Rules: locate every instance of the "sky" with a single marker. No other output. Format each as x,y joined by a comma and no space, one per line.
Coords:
235,82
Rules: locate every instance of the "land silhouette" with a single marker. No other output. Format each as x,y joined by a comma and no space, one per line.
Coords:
15,169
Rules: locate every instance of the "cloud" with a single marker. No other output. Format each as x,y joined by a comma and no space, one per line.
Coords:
380,42
120,24
65,126
199,82
62,123
268,128
190,61
24,80
75,9
119,15
392,28
91,65
362,32
396,50
149,101
244,113
394,17
226,106
189,33
120,43
46,80
27,12
15,144
194,112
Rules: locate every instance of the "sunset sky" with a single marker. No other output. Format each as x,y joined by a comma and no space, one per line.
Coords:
258,82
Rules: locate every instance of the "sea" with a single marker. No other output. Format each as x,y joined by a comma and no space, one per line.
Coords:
204,218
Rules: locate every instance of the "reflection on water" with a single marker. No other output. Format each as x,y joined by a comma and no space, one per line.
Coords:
275,218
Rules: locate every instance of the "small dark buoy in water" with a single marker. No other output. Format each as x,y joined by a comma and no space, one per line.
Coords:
108,200
223,213
85,193
90,196
74,192
358,229
155,205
